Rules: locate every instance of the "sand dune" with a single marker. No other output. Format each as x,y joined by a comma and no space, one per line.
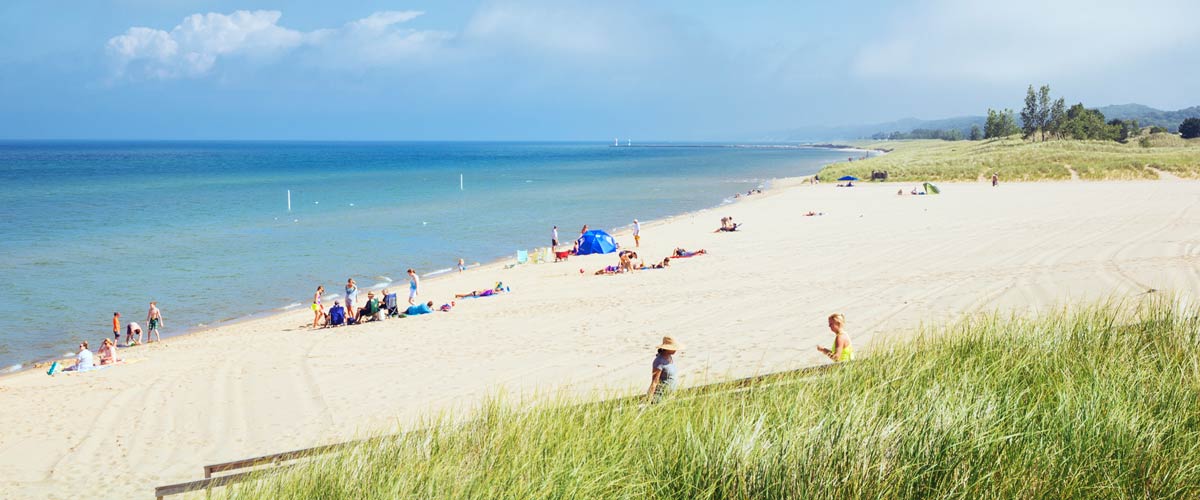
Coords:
756,303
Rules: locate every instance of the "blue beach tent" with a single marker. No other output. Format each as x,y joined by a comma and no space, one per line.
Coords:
847,178
596,241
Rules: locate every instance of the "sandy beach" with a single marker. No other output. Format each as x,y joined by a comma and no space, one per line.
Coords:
756,303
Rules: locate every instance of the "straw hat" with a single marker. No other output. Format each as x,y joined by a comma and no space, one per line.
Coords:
668,344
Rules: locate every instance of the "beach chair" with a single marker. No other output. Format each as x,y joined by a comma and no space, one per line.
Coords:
522,256
391,304
536,256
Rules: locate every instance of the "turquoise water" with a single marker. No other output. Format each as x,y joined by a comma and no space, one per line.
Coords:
90,228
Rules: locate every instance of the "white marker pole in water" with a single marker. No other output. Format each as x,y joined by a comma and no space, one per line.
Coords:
460,187
289,200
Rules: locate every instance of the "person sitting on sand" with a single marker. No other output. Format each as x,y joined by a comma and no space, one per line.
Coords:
841,350
482,293
337,314
727,225
83,359
418,309
447,307
682,253
664,375
132,329
108,352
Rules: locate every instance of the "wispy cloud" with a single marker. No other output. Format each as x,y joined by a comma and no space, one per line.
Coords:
200,42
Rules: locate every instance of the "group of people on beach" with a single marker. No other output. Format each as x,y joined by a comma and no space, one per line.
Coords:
375,309
85,359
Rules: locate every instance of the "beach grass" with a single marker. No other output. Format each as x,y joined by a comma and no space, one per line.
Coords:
1101,401
1017,160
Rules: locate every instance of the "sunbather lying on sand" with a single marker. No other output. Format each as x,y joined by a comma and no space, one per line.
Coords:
425,308
666,262
683,254
727,225
482,293
609,270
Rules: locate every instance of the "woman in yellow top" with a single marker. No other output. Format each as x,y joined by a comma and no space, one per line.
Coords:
841,341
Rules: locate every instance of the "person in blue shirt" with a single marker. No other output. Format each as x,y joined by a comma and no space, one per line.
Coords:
425,308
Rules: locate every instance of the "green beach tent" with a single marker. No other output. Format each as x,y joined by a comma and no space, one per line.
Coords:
931,189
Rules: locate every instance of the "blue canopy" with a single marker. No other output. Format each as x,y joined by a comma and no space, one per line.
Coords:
847,178
596,241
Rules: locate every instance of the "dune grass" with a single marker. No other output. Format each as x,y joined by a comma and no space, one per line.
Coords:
1018,160
1099,402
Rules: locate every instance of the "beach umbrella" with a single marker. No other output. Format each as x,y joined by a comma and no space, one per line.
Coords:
596,241
847,178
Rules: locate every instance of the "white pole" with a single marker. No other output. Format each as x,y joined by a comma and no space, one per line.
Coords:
289,200
460,182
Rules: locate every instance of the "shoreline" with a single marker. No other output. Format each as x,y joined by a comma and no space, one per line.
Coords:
766,186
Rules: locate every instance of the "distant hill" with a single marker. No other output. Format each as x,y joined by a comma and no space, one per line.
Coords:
821,133
1145,115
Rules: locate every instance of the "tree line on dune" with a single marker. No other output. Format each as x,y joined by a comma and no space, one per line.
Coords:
1042,119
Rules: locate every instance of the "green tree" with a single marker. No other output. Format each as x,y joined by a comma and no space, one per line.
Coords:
1158,130
1190,128
1083,123
1029,114
976,134
1058,115
1043,110
1000,124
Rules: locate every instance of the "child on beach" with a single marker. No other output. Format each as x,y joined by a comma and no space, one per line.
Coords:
117,325
663,372
637,234
841,350
317,308
155,321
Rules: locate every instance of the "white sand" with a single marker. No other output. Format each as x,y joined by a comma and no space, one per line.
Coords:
757,303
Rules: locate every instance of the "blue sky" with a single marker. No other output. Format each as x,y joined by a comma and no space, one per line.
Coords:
563,70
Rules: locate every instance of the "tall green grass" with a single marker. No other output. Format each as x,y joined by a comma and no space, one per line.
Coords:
1018,160
1099,402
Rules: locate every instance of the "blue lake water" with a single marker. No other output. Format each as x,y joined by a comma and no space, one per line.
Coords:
89,228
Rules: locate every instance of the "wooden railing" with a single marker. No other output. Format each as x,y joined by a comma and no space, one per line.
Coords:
277,460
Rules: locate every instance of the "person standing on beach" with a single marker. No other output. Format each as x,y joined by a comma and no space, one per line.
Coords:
414,284
663,372
154,321
841,350
995,179
637,234
117,325
317,308
554,237
351,297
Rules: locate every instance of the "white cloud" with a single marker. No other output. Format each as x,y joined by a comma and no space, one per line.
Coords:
195,46
1021,40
